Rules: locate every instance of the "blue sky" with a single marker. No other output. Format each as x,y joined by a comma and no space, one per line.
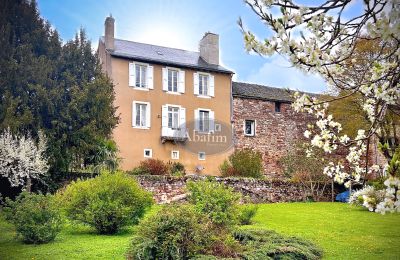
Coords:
181,24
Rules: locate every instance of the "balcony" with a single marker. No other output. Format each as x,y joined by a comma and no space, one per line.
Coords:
175,135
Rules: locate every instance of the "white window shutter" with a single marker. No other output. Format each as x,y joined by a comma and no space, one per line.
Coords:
212,85
131,74
196,83
164,116
150,83
196,119
212,121
181,83
165,79
182,118
133,114
148,115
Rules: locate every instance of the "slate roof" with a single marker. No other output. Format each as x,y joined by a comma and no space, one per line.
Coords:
162,55
256,91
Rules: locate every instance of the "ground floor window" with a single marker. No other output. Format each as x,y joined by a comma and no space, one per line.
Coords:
148,153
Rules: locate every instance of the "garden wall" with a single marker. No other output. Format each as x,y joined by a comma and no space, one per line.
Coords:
167,189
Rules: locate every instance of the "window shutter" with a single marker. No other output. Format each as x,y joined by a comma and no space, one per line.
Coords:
148,115
196,120
164,116
212,85
182,118
150,83
181,83
133,113
196,83
212,120
132,74
165,79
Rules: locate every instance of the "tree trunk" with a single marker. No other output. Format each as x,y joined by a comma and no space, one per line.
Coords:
28,185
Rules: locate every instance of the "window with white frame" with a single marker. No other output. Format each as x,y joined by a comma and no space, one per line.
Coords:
140,74
175,155
141,114
202,156
148,153
203,84
249,127
204,121
173,80
173,117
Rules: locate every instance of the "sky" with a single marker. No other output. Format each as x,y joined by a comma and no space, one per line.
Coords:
181,24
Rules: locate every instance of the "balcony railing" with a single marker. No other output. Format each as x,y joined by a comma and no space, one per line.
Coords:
176,135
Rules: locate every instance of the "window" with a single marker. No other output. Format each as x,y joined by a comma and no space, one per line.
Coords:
172,80
148,153
140,73
203,84
202,156
249,127
277,107
173,117
204,121
175,155
141,114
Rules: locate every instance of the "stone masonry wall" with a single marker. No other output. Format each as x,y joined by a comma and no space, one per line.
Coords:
167,189
275,132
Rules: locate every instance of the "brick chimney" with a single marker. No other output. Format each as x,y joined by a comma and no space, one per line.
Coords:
109,33
209,48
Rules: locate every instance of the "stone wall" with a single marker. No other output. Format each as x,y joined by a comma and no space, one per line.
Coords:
167,189
275,132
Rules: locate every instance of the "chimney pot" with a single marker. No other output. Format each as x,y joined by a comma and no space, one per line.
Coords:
209,48
109,33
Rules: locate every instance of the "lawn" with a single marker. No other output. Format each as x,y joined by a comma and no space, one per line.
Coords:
344,232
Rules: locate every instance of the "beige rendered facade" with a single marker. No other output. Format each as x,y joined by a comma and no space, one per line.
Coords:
163,104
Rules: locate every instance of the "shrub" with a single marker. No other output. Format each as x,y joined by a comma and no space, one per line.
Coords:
107,202
215,200
367,197
266,244
247,212
153,167
175,232
243,163
177,169
35,217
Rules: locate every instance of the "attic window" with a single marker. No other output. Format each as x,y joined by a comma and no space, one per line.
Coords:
159,53
277,107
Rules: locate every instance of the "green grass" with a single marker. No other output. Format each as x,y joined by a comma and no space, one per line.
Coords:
344,232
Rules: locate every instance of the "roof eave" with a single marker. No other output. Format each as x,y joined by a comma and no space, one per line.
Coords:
262,98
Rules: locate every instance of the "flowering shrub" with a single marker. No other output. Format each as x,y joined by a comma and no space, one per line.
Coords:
367,197
36,218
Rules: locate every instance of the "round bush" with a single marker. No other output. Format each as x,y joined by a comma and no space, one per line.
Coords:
107,202
243,163
35,217
174,232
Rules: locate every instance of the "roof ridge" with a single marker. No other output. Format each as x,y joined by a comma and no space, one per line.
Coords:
156,45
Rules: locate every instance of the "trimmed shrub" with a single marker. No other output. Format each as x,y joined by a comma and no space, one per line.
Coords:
266,244
107,202
35,217
247,212
243,163
175,232
215,200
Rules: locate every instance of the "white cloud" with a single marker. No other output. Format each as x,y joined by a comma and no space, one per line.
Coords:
277,72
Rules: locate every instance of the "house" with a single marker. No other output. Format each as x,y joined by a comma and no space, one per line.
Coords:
264,120
174,105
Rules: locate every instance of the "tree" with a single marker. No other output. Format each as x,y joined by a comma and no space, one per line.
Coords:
22,159
322,39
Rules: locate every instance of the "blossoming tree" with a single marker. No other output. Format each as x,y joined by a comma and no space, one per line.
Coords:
21,158
321,39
